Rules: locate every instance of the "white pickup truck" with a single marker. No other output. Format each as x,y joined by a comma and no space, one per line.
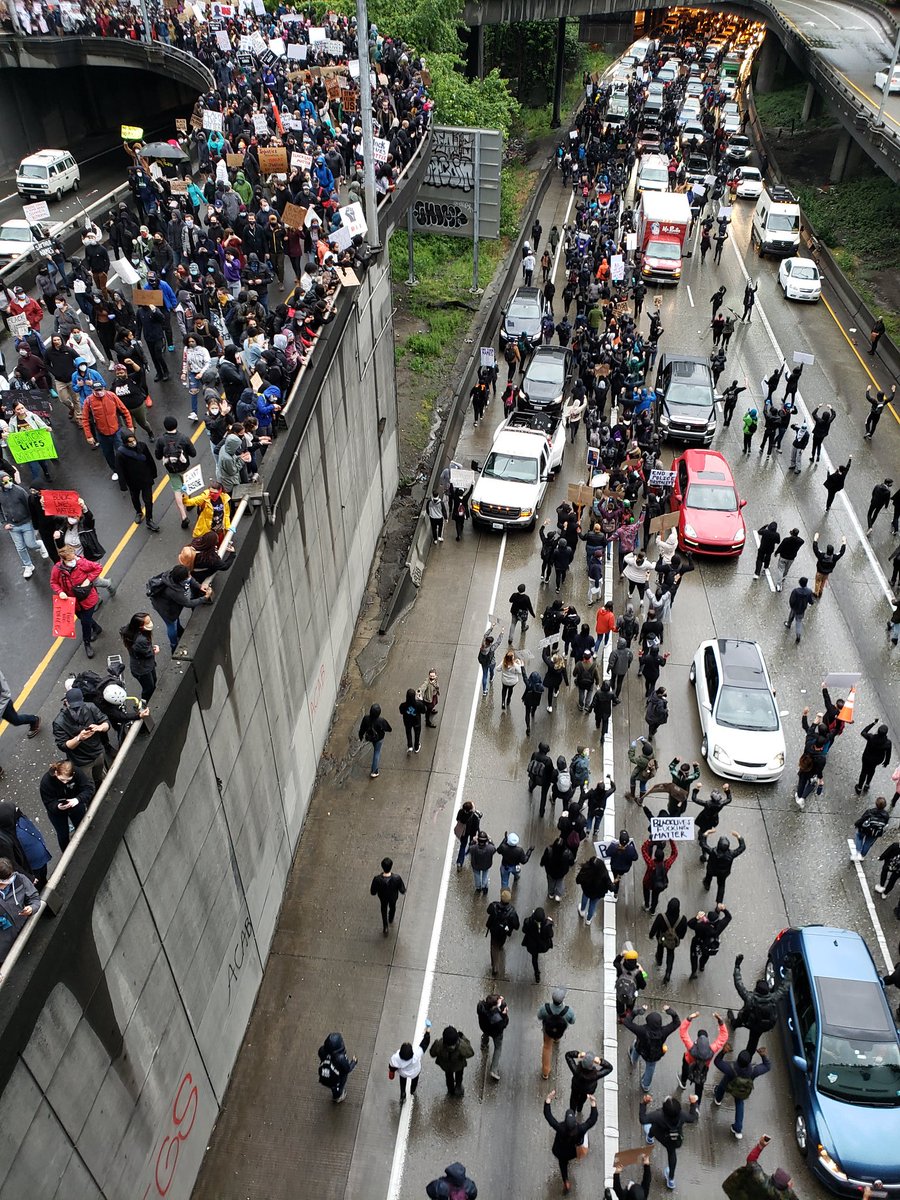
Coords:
526,450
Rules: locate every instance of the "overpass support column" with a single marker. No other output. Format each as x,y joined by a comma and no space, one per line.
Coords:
841,154
558,77
768,64
809,102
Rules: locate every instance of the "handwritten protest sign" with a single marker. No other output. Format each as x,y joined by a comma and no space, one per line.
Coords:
147,297
273,160
64,616
212,120
293,216
260,125
181,124
580,494
675,829
36,212
192,480
662,479
31,445
61,504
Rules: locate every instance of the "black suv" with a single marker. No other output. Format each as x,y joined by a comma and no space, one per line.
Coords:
685,400
522,315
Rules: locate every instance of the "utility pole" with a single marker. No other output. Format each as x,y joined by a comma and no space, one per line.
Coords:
365,109
885,91
148,36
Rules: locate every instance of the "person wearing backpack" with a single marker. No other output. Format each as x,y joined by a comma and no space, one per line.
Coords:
601,707
619,662
580,770
656,875
759,1009
707,929
621,854
537,938
335,1066
19,901
631,978
175,451
666,1126
531,698
650,1039
172,591
594,881
656,712
570,1136
555,1017
372,729
451,1052
454,1184
541,773
737,1080
642,757
502,922
563,787
699,1053
869,827
596,799
749,426
557,861
513,857
669,929
493,1018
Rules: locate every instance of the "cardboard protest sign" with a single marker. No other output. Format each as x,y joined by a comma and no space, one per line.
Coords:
662,479
181,124
580,494
147,297
333,88
256,382
61,504
664,523
297,52
293,216
234,160
353,67
461,478
273,160
193,480
834,679
349,100
347,276
178,187
64,616
675,829
333,47
36,212
18,325
630,1158
31,445
631,241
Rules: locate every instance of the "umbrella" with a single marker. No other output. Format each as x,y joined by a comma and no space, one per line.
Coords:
163,150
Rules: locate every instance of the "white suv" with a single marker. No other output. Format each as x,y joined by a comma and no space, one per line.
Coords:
47,174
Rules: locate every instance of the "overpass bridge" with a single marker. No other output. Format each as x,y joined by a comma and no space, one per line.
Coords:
837,46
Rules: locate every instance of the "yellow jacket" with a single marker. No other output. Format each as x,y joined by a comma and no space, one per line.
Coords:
205,518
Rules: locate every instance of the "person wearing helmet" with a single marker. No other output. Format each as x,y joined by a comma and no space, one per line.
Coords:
759,1010
719,861
120,709
570,1135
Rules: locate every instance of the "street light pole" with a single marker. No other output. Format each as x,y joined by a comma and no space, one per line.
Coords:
885,91
365,109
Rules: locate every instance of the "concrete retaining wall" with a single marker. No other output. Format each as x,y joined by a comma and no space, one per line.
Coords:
122,1021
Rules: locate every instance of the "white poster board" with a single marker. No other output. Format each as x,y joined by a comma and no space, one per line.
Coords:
352,219
461,478
617,268
488,357
260,124
382,148
212,120
38,211
192,480
806,359
662,479
222,41
315,34
673,829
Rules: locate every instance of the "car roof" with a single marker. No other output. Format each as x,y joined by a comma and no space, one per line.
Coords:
697,359
710,463
526,293
16,223
44,156
560,353
824,946
847,1004
742,663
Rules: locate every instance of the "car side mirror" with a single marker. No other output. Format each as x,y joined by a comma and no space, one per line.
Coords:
742,504
800,1063
659,392
719,399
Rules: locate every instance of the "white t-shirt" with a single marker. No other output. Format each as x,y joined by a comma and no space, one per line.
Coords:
408,1068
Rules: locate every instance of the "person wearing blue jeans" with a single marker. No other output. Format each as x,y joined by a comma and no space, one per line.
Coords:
481,853
594,881
513,857
486,656
737,1080
650,1039
468,819
372,729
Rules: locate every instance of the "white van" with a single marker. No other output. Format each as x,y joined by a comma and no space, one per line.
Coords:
47,174
653,173
776,222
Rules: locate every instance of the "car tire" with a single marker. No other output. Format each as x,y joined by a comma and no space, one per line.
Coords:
75,185
771,974
704,747
692,674
58,196
801,1134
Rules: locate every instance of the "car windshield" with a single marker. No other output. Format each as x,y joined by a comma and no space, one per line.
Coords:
33,171
804,272
746,708
690,395
14,233
859,1071
711,497
523,308
511,468
664,250
654,174
784,222
751,175
541,371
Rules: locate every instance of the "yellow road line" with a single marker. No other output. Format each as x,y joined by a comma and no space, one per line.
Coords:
868,99
126,538
850,343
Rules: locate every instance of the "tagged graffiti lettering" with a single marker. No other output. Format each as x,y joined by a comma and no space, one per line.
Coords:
184,1113
236,962
428,214
452,162
317,690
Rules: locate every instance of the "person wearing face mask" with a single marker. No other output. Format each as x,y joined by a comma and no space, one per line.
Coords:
79,731
142,651
19,900
126,384
214,516
76,576
136,468
30,368
20,421
66,791
195,360
16,516
60,362
101,418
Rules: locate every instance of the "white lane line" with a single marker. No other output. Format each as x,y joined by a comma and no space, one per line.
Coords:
870,905
829,466
690,295
3,199
562,237
401,1145
610,1019
816,13
766,569
857,14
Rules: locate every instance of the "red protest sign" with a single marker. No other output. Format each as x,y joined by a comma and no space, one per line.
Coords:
64,616
61,504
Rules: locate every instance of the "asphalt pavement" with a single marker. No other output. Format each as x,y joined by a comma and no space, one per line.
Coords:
330,968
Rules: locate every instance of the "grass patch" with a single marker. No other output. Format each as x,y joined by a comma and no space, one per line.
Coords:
781,110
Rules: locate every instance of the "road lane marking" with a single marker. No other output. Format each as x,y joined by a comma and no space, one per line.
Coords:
562,239
816,13
829,465
870,905
855,350
610,1016
690,295
57,642
401,1145
868,99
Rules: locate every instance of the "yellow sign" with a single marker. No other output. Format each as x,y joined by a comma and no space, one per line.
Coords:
132,133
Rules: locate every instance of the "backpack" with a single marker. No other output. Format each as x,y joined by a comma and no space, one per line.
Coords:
174,458
328,1073
564,781
456,1193
156,584
555,1024
659,880
90,685
626,992
535,684
739,1086
537,771
669,938
873,826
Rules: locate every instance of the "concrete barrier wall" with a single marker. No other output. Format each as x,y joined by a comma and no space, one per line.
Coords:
120,1026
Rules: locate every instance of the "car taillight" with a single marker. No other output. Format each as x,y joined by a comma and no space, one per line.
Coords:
780,935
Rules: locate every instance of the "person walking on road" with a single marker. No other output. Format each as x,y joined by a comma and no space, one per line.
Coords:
487,659
666,1125
699,1053
502,922
493,1018
555,1017
407,1063
876,753
835,482
622,855
668,928
769,538
595,883
587,1070
719,861
738,1079
707,929
454,1184
520,609
335,1066
822,417
570,1136
76,577
451,1052
512,671
717,299
788,549
877,404
136,469
798,602
437,514
749,426
387,887
749,300
650,1039
557,861
758,1013
468,822
537,938
619,663
412,710
878,502
798,445
481,854
642,757
513,857
16,516
372,729
541,773
8,711
876,334
656,874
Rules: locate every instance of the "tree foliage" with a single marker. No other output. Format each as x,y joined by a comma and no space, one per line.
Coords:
486,102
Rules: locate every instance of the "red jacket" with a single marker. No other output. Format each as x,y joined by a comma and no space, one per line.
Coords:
31,309
647,854
84,571
106,408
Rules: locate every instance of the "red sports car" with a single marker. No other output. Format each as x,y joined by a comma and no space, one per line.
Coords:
710,512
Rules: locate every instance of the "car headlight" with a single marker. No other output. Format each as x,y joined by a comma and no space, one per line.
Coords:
476,506
720,756
829,1164
689,530
664,421
739,536
526,512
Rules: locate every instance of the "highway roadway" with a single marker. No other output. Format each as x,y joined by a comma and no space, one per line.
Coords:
331,968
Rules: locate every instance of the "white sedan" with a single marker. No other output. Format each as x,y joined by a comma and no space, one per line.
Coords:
749,183
743,737
881,80
800,279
